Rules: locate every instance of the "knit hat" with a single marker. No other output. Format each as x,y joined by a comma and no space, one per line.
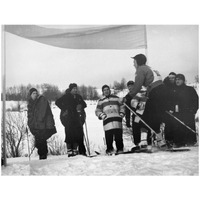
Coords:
105,86
32,90
181,76
72,85
140,59
130,83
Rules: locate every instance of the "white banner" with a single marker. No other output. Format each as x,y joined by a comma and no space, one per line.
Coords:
84,37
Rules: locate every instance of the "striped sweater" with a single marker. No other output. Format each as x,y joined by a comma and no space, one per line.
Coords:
111,110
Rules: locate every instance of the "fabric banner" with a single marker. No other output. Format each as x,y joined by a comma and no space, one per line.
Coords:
84,37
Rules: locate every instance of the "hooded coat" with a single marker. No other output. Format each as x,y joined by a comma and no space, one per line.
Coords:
40,116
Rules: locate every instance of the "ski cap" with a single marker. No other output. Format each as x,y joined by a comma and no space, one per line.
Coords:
72,85
140,59
130,83
180,76
32,90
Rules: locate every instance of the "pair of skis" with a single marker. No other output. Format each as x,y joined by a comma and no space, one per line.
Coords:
171,149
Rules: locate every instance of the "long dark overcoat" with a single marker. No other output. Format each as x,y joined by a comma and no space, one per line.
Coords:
186,102
71,119
40,117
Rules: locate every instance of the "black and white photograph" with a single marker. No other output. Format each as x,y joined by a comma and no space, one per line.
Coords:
103,99
104,92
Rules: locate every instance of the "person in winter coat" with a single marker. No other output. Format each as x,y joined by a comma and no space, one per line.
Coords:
73,117
135,105
40,121
169,81
184,107
111,110
170,84
156,94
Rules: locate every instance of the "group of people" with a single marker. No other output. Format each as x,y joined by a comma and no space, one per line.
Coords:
170,102
42,125
149,103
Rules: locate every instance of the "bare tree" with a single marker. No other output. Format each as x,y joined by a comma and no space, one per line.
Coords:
16,123
119,86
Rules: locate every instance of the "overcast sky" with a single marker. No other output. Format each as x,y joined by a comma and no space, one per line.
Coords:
170,48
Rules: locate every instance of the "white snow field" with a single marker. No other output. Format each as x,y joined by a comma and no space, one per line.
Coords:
137,164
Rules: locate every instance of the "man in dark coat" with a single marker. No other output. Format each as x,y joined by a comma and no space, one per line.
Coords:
184,107
170,84
40,121
73,117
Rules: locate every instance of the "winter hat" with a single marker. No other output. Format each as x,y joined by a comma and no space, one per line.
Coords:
105,86
130,83
181,76
32,90
72,85
172,73
140,59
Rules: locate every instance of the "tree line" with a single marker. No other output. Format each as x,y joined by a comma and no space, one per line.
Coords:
52,92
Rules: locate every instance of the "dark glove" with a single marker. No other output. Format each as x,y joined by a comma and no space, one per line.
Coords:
127,98
128,125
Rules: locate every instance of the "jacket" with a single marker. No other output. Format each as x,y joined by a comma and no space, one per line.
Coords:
39,114
111,110
146,77
72,116
68,105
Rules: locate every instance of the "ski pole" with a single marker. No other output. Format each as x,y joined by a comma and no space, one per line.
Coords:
152,131
86,143
86,133
181,122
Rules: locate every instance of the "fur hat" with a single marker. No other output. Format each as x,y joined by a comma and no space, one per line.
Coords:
140,59
181,76
32,90
71,86
105,86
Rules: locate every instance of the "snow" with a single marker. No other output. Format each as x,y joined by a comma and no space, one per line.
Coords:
124,176
138,164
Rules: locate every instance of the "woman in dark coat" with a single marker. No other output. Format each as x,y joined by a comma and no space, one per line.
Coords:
40,121
73,117
185,106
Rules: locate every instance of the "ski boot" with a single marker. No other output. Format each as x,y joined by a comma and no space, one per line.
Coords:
161,141
110,152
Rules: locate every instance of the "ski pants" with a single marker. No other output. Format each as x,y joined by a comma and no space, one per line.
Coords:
111,135
136,131
41,142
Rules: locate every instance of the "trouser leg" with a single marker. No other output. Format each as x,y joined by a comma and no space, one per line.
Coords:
136,132
118,139
109,140
81,147
41,145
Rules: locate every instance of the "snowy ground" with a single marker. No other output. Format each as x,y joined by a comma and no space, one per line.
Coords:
140,164
155,164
